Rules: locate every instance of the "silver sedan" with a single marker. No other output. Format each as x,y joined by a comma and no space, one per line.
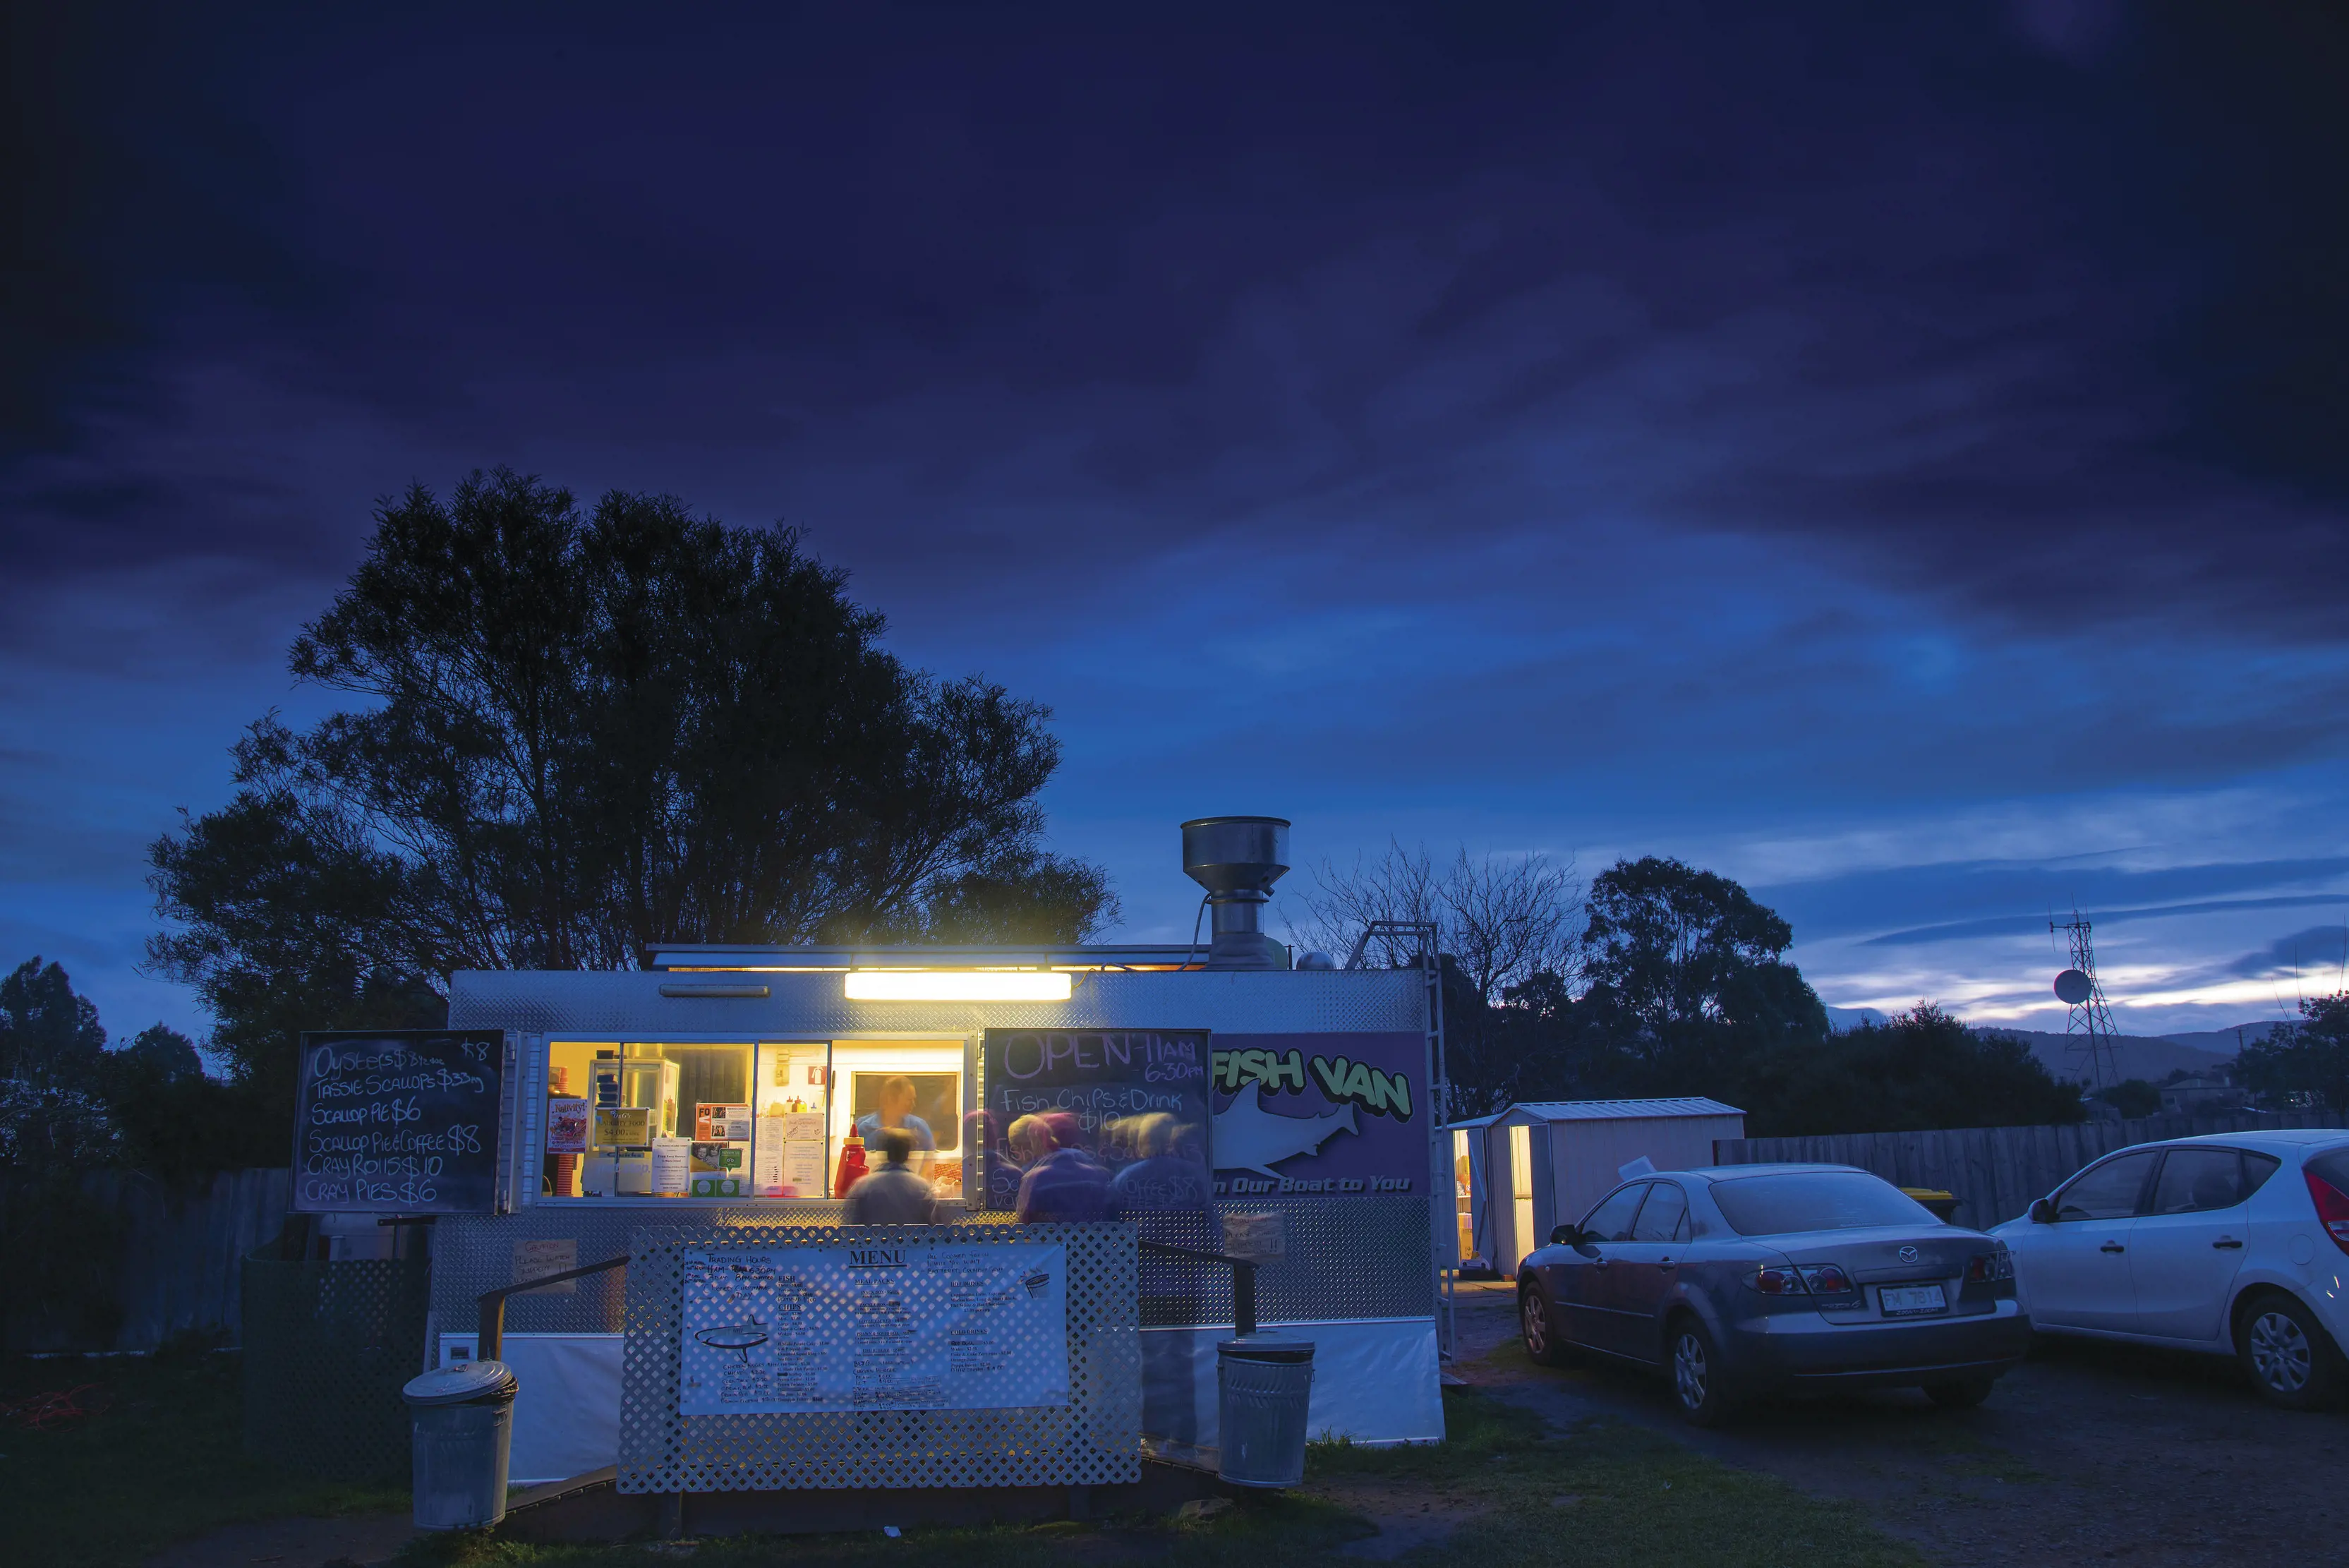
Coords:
1744,1280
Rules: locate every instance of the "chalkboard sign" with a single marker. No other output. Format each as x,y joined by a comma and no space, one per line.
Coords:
399,1122
1132,1103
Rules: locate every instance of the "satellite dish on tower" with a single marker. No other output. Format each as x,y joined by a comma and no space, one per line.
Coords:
2072,988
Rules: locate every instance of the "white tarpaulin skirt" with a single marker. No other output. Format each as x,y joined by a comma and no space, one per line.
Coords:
1374,1381
567,1415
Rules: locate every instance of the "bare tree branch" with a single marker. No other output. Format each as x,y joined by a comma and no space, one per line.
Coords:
1507,920
1502,918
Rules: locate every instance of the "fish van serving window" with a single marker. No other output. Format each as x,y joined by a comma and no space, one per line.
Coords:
742,1120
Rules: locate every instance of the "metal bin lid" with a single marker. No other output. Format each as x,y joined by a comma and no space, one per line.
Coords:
1266,1348
461,1384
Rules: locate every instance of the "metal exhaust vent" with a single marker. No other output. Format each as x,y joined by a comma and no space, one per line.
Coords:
1238,859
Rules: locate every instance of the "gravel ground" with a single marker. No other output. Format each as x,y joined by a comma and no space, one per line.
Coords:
2085,1453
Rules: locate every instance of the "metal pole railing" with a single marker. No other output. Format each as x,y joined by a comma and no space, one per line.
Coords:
1243,1278
493,1323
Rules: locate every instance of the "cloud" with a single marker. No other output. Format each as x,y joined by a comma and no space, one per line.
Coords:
1882,451
2307,953
1958,930
1944,335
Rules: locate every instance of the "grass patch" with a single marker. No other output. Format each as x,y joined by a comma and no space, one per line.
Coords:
162,1463
1509,1490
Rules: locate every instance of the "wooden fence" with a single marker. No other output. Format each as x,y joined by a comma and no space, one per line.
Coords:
1995,1172
179,1264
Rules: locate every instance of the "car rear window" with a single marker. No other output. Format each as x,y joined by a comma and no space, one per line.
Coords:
1814,1200
2332,1164
2199,1181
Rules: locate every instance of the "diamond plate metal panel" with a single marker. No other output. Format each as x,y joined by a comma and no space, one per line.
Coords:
1344,1258
1094,1440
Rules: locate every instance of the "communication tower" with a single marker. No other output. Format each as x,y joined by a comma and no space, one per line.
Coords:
2088,1024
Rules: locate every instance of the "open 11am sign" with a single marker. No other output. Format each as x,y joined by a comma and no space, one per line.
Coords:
399,1122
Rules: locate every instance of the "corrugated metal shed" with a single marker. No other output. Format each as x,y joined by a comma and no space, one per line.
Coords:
1550,1160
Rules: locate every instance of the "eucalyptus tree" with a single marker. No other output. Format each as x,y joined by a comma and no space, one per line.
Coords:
569,735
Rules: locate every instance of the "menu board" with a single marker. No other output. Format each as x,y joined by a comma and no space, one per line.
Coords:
1134,1102
397,1122
901,1325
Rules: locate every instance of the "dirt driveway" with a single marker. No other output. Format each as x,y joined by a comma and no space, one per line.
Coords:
2087,1453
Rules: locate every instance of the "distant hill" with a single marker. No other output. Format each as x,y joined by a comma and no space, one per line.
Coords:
2135,1055
2224,1040
2152,1057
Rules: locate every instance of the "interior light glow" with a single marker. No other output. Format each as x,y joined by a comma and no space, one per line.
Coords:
957,985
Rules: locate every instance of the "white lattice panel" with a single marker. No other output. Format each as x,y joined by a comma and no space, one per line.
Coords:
1093,1440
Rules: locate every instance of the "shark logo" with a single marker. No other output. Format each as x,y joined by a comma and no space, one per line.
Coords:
1250,1138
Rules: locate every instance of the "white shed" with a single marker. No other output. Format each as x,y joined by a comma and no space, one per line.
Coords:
1547,1161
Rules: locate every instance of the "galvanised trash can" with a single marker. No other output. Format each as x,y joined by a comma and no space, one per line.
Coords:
1263,1386
463,1418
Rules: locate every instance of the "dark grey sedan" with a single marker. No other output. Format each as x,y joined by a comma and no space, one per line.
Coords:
1749,1279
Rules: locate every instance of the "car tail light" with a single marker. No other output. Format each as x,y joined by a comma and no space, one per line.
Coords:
1825,1279
2332,1208
1984,1267
1777,1282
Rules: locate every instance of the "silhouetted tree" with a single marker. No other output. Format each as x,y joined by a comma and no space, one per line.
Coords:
1917,1069
49,1036
149,1104
2309,1057
2133,1097
178,1123
578,736
1669,948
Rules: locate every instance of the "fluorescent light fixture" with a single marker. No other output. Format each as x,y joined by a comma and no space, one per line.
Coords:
957,985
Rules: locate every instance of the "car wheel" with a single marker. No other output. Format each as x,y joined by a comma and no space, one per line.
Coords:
1963,1395
2290,1358
1699,1381
1538,1322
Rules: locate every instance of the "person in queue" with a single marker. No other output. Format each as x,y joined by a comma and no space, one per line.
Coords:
896,1110
1064,1184
895,1194
1162,1176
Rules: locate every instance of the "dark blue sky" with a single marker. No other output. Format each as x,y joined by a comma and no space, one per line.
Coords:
1897,456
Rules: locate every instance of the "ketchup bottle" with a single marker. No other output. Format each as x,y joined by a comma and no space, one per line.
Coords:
852,1164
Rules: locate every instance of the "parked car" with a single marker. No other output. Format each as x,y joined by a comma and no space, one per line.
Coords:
2236,1244
1740,1281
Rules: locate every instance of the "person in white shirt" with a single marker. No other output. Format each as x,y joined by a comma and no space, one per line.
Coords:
898,1111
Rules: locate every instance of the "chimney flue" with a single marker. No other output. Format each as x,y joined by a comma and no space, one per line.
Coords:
1238,859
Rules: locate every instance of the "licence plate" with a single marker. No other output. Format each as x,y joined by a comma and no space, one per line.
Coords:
1912,1301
